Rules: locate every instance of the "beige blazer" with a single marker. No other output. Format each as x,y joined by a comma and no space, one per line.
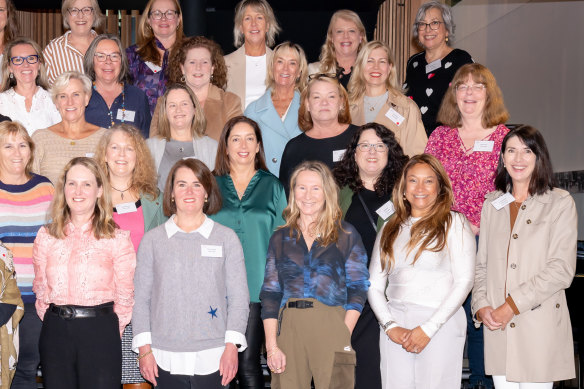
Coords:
410,134
536,345
236,71
219,107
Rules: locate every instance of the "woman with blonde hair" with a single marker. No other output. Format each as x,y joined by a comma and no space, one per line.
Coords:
421,272
66,53
314,288
344,39
198,62
254,32
159,29
24,96
276,112
375,97
182,132
84,269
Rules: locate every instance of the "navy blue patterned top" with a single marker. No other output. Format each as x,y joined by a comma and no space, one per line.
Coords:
335,275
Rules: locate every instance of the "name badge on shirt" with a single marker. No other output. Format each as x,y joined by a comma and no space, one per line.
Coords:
433,66
155,68
90,155
126,115
484,145
503,200
213,251
395,116
126,208
386,210
338,155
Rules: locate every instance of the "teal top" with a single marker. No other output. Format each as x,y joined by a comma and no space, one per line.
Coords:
254,219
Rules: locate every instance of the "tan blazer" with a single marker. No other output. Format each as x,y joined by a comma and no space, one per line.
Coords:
536,345
219,107
410,134
236,72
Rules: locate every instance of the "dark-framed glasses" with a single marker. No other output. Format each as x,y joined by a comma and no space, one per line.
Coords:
378,147
476,88
114,57
85,11
434,25
31,59
169,15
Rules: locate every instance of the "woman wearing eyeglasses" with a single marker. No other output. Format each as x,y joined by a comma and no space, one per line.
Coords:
160,27
113,100
428,74
24,96
65,53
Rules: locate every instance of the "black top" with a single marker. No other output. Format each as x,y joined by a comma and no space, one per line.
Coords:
428,89
357,216
304,148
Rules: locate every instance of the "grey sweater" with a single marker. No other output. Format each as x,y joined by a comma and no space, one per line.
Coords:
185,296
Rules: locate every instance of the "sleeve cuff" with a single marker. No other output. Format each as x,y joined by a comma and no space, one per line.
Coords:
237,338
430,329
509,300
140,340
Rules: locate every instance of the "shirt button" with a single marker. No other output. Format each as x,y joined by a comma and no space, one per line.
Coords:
523,206
512,325
528,221
557,305
515,236
274,160
513,266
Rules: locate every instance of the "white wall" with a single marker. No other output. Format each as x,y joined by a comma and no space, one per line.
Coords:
535,49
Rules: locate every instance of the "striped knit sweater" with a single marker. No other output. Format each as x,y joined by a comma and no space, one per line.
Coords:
23,210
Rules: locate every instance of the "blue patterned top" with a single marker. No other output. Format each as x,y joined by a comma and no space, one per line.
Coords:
335,275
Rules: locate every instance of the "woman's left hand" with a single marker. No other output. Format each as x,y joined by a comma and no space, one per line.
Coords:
416,341
228,363
503,314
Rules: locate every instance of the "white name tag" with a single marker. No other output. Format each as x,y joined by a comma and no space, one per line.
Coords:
502,201
211,251
386,210
394,116
338,155
127,115
153,67
484,145
126,208
431,66
90,155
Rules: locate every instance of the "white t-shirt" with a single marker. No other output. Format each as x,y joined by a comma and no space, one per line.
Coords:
43,112
255,78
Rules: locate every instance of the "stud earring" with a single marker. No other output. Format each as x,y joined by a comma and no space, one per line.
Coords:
183,79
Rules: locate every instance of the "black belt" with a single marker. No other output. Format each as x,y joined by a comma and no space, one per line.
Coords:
70,312
300,304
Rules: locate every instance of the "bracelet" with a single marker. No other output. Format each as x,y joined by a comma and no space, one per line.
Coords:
272,351
143,355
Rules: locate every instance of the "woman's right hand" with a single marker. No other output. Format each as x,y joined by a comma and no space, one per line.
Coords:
485,314
398,334
276,360
148,366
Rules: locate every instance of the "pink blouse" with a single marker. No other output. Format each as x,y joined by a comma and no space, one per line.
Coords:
82,270
472,174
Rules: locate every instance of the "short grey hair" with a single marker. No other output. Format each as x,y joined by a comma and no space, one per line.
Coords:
263,7
446,12
88,64
98,16
63,81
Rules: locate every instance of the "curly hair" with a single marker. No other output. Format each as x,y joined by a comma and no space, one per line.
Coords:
328,58
9,82
179,54
144,175
347,171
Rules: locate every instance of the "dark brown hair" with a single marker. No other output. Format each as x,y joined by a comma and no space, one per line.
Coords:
11,29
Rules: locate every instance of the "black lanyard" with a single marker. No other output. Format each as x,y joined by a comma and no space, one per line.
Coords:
371,220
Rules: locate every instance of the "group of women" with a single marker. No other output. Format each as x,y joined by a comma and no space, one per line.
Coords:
333,227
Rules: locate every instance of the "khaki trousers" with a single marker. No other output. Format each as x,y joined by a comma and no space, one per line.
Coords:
317,344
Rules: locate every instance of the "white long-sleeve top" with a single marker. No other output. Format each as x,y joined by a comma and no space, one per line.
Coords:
440,280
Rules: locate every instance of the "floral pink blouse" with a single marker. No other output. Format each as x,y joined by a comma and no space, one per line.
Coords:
472,173
82,270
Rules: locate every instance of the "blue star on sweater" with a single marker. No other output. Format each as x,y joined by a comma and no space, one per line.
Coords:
212,312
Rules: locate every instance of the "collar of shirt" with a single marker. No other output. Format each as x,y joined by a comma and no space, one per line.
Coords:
71,229
66,40
204,229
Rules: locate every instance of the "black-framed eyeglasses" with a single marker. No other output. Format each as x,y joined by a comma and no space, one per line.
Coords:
85,11
31,59
434,25
378,147
114,57
316,76
169,15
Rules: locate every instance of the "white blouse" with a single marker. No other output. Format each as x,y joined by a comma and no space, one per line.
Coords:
43,112
440,280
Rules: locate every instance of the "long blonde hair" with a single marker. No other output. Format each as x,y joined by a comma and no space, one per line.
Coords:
328,222
328,58
103,224
432,228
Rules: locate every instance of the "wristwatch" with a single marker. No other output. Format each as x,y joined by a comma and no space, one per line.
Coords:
386,325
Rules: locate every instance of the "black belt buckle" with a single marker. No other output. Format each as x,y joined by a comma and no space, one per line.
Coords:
67,312
300,304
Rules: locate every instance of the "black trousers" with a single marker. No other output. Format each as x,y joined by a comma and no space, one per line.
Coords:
166,380
81,353
249,372
28,357
365,341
